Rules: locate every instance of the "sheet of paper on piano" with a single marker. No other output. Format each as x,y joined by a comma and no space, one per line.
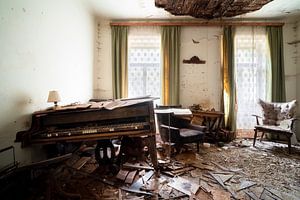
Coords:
109,105
176,111
74,106
118,103
101,104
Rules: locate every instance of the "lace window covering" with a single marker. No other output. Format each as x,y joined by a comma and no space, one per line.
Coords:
252,65
144,68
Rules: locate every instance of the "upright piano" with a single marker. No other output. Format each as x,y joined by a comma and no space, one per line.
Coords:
106,120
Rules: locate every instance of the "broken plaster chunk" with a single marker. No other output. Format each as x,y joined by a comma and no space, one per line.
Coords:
165,191
224,177
183,185
246,184
225,147
206,145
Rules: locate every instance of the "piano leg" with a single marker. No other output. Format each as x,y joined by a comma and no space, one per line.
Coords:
132,147
151,143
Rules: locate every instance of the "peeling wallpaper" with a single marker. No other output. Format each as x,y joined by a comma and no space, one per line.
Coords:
297,49
290,59
291,32
201,83
297,54
103,62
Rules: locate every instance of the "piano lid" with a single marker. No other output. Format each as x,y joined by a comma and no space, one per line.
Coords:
109,104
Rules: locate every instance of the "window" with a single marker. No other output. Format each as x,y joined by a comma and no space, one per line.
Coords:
252,65
144,68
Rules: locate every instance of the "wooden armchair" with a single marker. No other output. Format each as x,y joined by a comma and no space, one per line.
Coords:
178,130
278,119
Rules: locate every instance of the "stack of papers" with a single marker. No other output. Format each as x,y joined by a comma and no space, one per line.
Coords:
176,111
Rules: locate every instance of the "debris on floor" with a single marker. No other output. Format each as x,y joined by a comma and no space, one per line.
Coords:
230,171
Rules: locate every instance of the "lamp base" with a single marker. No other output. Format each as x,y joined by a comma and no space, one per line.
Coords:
56,107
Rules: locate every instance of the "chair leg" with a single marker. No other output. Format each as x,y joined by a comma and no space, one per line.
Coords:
289,144
178,148
262,136
255,135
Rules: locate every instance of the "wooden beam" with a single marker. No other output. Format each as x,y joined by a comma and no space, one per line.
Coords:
195,23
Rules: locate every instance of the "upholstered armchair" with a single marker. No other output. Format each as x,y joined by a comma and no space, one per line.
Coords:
178,130
278,119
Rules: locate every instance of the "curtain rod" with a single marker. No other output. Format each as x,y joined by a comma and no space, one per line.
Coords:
191,23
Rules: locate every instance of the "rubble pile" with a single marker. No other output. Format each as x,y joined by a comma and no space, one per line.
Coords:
228,171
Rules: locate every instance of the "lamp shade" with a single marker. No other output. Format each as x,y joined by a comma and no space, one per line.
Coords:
53,96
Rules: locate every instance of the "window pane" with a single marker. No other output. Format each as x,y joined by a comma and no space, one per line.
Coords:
252,65
144,65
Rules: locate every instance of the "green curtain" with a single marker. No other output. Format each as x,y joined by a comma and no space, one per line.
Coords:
277,62
229,94
119,61
170,43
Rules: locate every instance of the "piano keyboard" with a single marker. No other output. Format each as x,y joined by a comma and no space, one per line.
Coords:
95,130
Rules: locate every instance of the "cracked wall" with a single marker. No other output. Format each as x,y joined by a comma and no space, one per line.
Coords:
201,83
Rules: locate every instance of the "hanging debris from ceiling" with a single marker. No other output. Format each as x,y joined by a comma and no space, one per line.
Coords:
210,9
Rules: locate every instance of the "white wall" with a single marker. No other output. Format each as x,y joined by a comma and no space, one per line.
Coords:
291,33
298,77
103,61
201,83
290,60
45,45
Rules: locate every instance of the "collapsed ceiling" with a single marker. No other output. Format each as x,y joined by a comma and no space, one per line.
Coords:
209,9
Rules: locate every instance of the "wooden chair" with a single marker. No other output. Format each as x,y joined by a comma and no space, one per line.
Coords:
178,130
278,119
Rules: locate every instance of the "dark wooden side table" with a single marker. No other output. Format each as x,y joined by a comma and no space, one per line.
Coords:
211,119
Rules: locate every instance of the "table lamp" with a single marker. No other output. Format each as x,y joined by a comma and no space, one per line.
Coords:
53,97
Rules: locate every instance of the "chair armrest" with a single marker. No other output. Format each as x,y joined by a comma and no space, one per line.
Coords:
169,127
256,116
169,133
197,127
293,122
